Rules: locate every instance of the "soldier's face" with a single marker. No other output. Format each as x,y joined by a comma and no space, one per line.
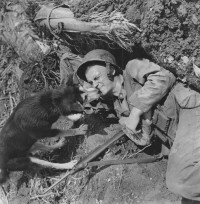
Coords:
97,76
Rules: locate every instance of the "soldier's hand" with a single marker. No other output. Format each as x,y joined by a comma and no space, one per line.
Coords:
132,121
89,93
92,94
129,124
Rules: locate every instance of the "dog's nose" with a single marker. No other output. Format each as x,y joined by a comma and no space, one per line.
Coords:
77,107
80,104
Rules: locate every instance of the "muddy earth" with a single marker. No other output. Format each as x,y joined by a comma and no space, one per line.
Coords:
170,37
170,30
127,183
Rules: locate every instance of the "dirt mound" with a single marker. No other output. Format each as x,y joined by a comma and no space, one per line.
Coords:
169,30
134,183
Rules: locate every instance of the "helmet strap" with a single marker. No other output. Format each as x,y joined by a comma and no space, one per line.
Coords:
110,71
107,66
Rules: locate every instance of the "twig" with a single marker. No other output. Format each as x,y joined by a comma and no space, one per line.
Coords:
125,155
1,123
52,178
11,103
56,183
4,98
99,4
45,200
77,178
45,82
14,101
40,196
1,50
140,151
6,70
57,75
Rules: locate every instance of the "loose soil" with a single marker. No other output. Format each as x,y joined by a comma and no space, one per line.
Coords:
170,30
133,183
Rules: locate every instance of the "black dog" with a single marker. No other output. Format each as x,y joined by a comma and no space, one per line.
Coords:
32,120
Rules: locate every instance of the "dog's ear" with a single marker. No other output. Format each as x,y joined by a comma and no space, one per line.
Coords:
73,80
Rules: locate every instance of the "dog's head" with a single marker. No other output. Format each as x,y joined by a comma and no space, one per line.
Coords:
68,100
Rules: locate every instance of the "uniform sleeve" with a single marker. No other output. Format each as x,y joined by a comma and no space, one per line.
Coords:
155,82
186,97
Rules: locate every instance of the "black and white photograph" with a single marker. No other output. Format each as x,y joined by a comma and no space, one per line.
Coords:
99,102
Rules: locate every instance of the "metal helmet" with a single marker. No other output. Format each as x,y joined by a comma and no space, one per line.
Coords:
97,55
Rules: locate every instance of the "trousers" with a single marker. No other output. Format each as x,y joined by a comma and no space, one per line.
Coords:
183,169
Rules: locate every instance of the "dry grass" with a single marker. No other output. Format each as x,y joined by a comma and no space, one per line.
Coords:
121,30
9,92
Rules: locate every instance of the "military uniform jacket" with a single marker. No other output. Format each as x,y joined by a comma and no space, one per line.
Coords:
145,84
148,85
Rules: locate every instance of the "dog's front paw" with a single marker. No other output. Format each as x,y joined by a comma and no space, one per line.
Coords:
70,164
82,130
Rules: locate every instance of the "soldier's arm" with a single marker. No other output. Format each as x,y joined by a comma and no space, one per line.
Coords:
155,81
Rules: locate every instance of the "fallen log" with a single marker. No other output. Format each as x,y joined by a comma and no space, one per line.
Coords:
60,19
16,30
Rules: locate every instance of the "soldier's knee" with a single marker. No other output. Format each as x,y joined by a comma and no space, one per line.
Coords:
175,180
179,185
172,182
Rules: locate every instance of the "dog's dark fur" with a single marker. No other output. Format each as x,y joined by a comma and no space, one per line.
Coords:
32,120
